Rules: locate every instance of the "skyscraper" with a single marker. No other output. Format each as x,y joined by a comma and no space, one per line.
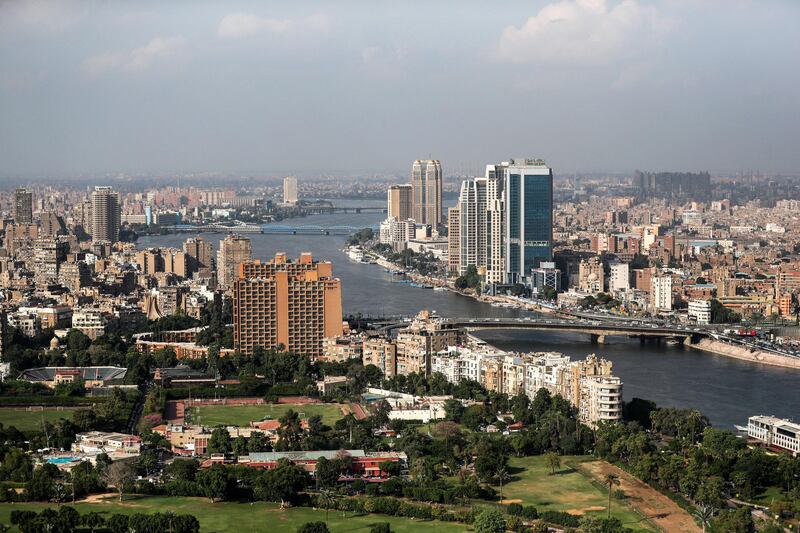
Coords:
472,226
23,206
296,304
528,217
290,190
426,185
400,202
105,214
453,240
233,250
495,222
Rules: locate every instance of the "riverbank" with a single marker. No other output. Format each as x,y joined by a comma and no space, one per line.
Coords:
745,354
707,345
446,284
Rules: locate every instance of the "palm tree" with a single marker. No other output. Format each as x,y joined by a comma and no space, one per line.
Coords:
704,513
502,476
610,480
553,461
327,500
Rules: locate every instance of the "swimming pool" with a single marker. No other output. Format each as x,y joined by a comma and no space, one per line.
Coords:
60,460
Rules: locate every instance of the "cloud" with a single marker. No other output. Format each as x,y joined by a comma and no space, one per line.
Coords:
134,60
43,15
240,25
583,32
389,61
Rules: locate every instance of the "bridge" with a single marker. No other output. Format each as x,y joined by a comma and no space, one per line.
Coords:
330,209
598,331
268,229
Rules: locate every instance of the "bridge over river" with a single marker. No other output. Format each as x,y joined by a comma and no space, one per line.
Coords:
268,229
597,330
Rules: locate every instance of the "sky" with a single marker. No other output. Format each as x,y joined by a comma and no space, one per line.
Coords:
364,87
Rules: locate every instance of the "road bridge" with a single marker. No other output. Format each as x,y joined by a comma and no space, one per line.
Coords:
330,209
598,331
268,229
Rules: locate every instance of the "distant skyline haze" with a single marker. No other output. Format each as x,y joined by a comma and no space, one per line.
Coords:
309,88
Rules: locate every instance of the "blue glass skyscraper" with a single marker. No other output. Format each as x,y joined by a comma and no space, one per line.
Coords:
529,217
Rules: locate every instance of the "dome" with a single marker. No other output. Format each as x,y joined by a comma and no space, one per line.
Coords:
54,344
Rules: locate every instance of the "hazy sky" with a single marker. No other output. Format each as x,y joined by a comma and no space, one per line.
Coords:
370,85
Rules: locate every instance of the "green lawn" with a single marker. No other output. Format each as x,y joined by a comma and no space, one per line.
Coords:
241,415
241,517
25,420
567,490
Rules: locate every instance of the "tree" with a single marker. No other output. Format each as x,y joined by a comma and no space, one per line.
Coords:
258,442
489,521
313,527
639,410
42,484
381,527
711,491
118,523
117,474
281,484
290,432
181,470
502,476
704,514
327,472
185,523
326,500
453,410
93,520
610,481
553,461
219,442
736,521
549,293
215,482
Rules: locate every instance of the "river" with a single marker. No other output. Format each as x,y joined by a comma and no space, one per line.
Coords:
726,390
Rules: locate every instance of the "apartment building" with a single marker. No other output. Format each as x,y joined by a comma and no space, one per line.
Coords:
233,250
700,311
295,304
661,293
417,343
382,353
589,384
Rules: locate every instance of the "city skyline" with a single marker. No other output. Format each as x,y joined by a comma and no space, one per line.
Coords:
610,86
528,266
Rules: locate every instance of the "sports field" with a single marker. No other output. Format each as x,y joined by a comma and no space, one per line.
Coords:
238,517
25,420
568,490
241,415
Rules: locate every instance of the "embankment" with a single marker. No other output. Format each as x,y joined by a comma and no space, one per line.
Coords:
745,354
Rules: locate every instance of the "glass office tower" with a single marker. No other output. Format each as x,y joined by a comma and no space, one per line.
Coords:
529,217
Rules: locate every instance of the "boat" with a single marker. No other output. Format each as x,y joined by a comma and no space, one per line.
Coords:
439,289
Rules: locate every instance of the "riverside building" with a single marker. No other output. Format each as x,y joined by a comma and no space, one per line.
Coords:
426,186
589,384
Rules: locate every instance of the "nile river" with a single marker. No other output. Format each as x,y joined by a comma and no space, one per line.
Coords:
726,390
